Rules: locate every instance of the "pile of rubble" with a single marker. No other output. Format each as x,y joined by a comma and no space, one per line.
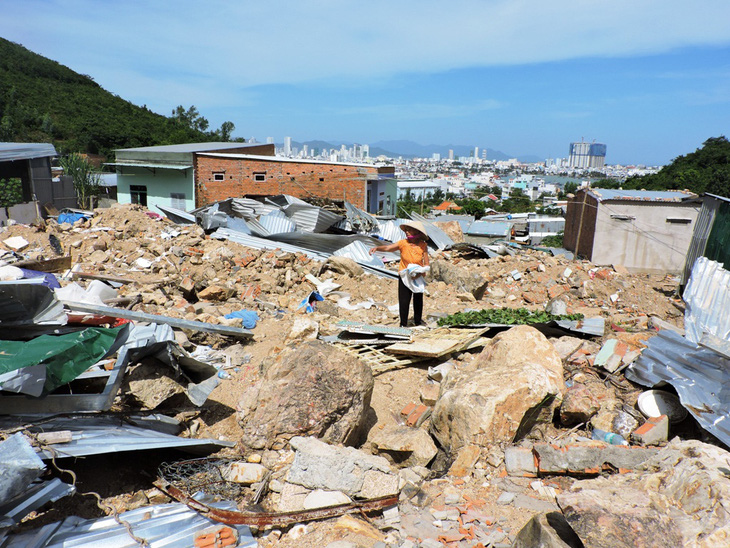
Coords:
206,338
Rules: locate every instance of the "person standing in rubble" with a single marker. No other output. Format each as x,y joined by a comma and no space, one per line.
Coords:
413,253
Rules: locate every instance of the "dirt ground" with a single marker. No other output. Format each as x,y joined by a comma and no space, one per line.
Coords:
185,262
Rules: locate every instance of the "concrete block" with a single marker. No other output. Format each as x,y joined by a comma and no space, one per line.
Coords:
654,431
520,461
589,457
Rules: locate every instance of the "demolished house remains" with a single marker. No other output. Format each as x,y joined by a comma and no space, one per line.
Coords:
235,375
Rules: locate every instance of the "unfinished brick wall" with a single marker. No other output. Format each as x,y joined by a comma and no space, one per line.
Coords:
334,181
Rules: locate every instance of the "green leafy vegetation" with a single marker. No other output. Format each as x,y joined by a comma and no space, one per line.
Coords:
504,316
11,192
552,241
44,101
85,180
705,170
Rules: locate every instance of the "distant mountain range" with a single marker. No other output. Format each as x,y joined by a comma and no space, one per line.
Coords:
411,149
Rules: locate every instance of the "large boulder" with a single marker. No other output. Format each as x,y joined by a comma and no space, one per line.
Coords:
518,373
313,389
680,497
464,280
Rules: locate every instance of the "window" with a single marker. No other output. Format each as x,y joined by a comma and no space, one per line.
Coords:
138,193
259,177
177,200
679,220
623,217
219,176
321,179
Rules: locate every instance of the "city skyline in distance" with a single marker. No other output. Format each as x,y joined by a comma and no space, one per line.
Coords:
650,80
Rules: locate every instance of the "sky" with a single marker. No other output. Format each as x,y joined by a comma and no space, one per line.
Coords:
649,78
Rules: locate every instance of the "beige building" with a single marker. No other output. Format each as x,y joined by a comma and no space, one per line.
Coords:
645,231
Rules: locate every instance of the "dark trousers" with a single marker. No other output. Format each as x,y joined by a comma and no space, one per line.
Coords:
404,303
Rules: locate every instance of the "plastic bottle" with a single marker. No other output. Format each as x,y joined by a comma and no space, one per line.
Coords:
608,437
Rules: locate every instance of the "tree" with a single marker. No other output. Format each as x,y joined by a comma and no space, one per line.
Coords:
226,130
85,180
518,202
473,207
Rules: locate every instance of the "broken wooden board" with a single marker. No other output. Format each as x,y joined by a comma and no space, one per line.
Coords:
379,361
59,264
386,330
438,342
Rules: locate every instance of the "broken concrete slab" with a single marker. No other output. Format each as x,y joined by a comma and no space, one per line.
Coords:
318,465
589,457
313,388
653,432
462,279
547,530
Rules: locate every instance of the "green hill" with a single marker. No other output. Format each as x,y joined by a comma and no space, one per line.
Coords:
44,101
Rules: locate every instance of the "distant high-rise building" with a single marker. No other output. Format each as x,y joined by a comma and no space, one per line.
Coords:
269,140
366,151
484,154
587,155
287,146
436,157
451,154
476,152
305,150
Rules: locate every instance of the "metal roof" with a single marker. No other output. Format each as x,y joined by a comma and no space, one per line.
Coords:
283,159
25,151
641,195
149,166
489,228
437,236
190,147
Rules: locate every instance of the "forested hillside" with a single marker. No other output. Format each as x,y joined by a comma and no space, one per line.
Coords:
44,101
705,170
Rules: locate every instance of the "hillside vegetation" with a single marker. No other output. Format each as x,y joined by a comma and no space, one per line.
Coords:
44,101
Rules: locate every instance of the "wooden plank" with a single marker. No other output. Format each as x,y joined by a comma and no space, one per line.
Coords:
379,361
437,343
58,264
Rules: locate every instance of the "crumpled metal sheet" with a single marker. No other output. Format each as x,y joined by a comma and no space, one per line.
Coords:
360,220
309,218
390,230
98,435
29,303
162,526
360,253
700,376
708,301
35,496
177,216
276,222
20,466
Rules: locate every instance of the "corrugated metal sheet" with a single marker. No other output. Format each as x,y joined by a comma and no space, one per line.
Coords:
360,253
708,301
311,218
359,219
490,228
437,236
162,526
177,215
98,435
249,209
25,151
390,230
464,220
262,243
34,497
276,222
701,378
641,195
700,233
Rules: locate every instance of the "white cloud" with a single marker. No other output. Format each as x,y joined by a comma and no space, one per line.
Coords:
206,52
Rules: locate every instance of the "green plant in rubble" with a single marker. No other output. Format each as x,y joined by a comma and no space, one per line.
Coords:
504,316
11,192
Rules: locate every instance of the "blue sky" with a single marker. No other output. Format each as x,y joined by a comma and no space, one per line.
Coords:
651,79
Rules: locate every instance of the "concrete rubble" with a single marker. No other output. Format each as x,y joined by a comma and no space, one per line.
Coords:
310,423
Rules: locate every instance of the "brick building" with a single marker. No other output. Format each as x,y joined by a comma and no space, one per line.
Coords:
205,176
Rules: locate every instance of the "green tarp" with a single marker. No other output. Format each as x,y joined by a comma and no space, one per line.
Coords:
65,356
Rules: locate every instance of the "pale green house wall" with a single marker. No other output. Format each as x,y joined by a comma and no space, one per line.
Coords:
160,183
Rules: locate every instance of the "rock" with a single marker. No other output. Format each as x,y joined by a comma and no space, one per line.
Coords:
679,497
406,446
303,329
343,265
557,307
517,373
430,394
244,472
320,499
292,497
465,461
312,389
149,384
318,465
578,405
547,530
215,293
463,280
567,346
